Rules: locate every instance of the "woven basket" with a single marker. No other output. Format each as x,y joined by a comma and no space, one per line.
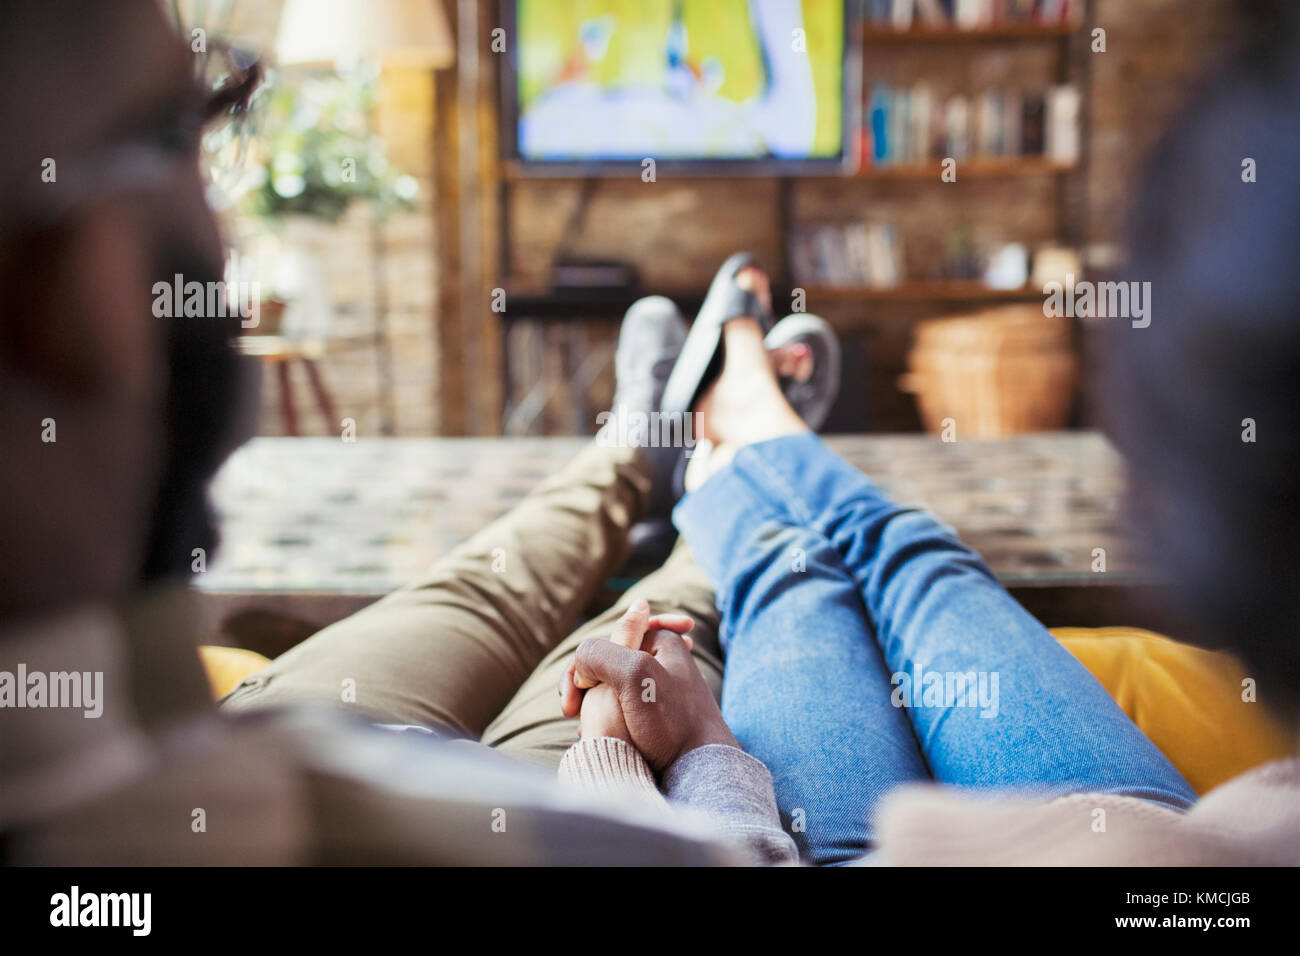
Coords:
1000,372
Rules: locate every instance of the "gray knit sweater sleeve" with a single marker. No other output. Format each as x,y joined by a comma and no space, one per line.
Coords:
735,789
732,788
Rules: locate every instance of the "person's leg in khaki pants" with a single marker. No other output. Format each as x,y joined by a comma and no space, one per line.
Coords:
452,649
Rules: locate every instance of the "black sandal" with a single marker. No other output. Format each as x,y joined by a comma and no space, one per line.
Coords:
700,360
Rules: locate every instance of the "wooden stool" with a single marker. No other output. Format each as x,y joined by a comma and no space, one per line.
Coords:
281,351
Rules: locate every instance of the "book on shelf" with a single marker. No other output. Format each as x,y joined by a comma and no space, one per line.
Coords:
1033,124
1062,132
956,125
913,125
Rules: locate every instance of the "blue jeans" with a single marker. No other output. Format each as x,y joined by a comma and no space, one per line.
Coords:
867,647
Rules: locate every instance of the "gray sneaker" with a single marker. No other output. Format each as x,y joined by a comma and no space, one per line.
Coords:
649,341
812,400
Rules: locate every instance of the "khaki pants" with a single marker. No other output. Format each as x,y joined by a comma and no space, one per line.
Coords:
475,647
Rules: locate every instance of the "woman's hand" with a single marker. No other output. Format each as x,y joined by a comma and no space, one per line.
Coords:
642,686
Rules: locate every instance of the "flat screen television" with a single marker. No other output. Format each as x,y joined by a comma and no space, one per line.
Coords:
596,87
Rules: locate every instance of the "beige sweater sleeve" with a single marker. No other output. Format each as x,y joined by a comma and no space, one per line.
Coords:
609,765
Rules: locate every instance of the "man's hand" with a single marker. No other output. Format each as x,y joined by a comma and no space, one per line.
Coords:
601,715
642,686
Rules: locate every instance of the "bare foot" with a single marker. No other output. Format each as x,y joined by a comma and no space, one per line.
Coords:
745,404
793,361
706,458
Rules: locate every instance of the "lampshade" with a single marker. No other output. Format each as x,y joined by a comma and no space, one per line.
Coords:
392,32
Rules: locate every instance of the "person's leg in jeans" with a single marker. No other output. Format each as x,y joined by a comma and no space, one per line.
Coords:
925,603
806,689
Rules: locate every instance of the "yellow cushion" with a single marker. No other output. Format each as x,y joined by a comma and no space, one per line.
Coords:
227,666
1188,701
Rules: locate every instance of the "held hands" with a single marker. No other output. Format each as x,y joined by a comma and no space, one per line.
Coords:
642,686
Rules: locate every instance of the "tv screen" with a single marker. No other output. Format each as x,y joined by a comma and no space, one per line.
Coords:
735,83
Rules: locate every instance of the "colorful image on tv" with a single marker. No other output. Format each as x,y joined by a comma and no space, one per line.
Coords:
680,79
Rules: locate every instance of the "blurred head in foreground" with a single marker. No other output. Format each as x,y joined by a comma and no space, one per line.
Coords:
1219,364
100,198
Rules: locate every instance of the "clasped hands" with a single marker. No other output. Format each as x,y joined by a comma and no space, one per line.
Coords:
641,685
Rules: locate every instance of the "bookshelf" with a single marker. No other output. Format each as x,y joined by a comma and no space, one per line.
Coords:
924,43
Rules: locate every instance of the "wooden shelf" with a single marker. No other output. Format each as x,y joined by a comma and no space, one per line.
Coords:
938,290
533,301
970,168
1002,31
966,169
512,170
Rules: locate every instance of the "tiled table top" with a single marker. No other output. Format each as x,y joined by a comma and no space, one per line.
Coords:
322,515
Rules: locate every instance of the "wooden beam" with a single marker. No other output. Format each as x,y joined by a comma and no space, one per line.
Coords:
449,387
487,395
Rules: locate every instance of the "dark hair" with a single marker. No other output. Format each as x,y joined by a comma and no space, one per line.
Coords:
201,411
1220,359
